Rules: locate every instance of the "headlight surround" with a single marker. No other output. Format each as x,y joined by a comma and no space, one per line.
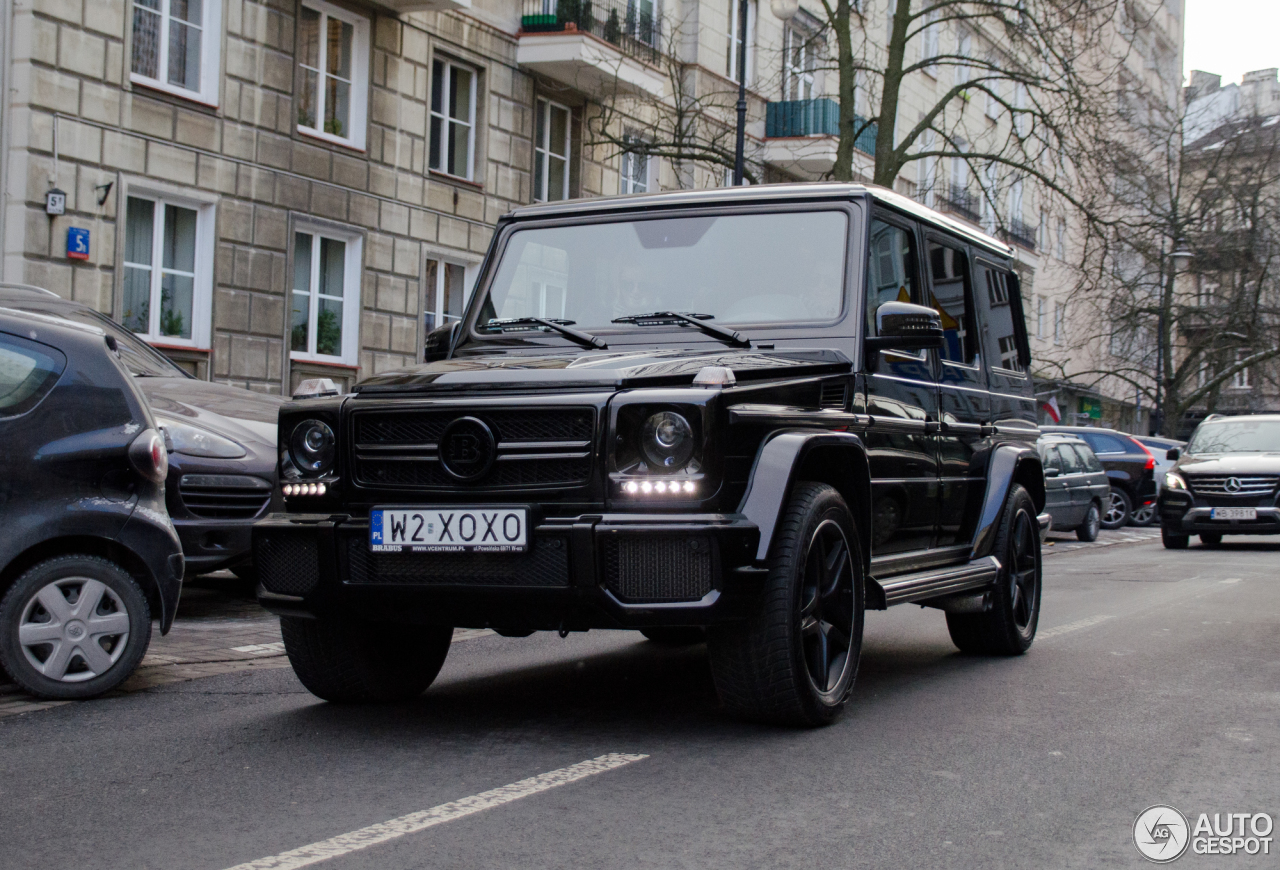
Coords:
1173,480
313,447
667,441
193,441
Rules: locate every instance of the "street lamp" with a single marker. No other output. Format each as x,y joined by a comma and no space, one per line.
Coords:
783,10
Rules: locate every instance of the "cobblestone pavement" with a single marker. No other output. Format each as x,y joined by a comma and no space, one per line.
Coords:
220,629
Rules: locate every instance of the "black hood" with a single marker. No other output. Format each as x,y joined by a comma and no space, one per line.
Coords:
242,415
597,369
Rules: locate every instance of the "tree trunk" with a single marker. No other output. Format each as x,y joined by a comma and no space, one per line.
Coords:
887,163
843,168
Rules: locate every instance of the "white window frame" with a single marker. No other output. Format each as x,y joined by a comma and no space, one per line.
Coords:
731,67
448,65
624,176
352,303
802,79
542,152
964,48
929,44
360,47
210,53
994,106
202,284
1042,314
1060,244
1059,322
469,273
1240,380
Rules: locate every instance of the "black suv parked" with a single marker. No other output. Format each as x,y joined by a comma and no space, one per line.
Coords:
1130,470
745,415
1226,482
88,552
222,464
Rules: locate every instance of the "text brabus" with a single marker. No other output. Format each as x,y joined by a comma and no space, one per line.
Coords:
448,530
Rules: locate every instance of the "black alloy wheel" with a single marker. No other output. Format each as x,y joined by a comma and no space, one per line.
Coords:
1118,511
1088,530
826,607
1008,627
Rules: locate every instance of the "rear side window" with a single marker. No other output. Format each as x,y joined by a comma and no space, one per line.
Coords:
28,371
1101,442
1004,334
949,280
1051,459
1089,461
1071,463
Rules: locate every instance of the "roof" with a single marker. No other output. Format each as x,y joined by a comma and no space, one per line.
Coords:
762,193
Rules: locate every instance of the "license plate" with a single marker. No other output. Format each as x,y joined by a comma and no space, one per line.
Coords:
449,530
1234,514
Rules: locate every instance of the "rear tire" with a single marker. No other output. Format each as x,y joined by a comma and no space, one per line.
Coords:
1009,627
1118,511
676,636
352,662
1088,530
1174,541
73,627
1212,540
795,659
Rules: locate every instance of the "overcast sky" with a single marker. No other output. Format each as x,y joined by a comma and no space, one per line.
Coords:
1232,37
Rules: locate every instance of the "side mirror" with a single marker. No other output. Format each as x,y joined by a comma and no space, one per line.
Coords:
1173,454
440,341
1051,472
904,326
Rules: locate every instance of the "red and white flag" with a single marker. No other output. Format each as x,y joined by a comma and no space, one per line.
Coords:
1051,408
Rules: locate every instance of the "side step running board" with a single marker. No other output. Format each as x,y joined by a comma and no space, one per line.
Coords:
936,582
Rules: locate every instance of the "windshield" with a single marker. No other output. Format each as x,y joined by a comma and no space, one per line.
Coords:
1236,436
138,357
749,268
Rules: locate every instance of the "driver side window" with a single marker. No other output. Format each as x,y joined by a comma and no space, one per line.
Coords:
891,269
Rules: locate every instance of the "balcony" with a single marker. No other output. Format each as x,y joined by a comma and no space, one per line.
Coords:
597,47
1020,233
801,137
959,201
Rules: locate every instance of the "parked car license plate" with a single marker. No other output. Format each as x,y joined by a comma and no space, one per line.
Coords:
1234,514
449,530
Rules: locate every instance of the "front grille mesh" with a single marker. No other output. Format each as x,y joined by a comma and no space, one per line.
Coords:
376,428
545,565
1248,486
427,472
658,568
288,563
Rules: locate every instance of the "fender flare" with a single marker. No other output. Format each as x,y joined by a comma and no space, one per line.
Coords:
1007,465
788,456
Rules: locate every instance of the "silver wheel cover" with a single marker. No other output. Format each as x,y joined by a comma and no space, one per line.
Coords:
74,629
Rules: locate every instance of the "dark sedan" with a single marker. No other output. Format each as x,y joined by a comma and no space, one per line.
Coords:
1075,485
222,440
1130,470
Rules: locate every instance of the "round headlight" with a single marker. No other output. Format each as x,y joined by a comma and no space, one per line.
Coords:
312,446
667,440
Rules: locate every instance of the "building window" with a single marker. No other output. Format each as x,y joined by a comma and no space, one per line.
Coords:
551,152
447,293
1207,292
1240,380
1060,244
797,64
1042,315
735,40
994,106
325,315
964,47
1059,322
177,45
333,52
929,45
636,170
453,118
167,287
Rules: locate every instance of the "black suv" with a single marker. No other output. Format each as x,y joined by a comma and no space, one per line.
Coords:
741,415
88,552
1226,482
1130,471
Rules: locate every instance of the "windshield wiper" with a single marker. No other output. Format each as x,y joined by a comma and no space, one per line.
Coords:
585,339
699,320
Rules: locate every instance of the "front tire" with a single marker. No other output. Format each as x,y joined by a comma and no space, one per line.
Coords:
1009,627
73,627
347,661
795,659
1174,541
1088,530
1119,509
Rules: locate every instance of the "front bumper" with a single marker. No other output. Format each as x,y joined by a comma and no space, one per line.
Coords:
211,545
1180,515
590,571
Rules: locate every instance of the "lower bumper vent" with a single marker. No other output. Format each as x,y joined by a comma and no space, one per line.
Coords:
545,565
288,563
656,568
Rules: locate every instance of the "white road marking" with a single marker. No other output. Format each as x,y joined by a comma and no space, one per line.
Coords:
1230,580
1087,622
261,649
381,833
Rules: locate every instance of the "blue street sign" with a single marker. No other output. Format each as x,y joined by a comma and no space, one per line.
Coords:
77,243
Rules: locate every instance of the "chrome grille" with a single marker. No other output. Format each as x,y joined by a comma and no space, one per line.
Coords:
537,447
224,496
1233,485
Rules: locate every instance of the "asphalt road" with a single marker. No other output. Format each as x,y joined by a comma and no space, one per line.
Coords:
1156,679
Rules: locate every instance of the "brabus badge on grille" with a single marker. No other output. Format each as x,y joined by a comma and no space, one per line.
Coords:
467,448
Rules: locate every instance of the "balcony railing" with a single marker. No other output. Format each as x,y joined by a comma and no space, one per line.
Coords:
631,26
816,117
1020,233
960,201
